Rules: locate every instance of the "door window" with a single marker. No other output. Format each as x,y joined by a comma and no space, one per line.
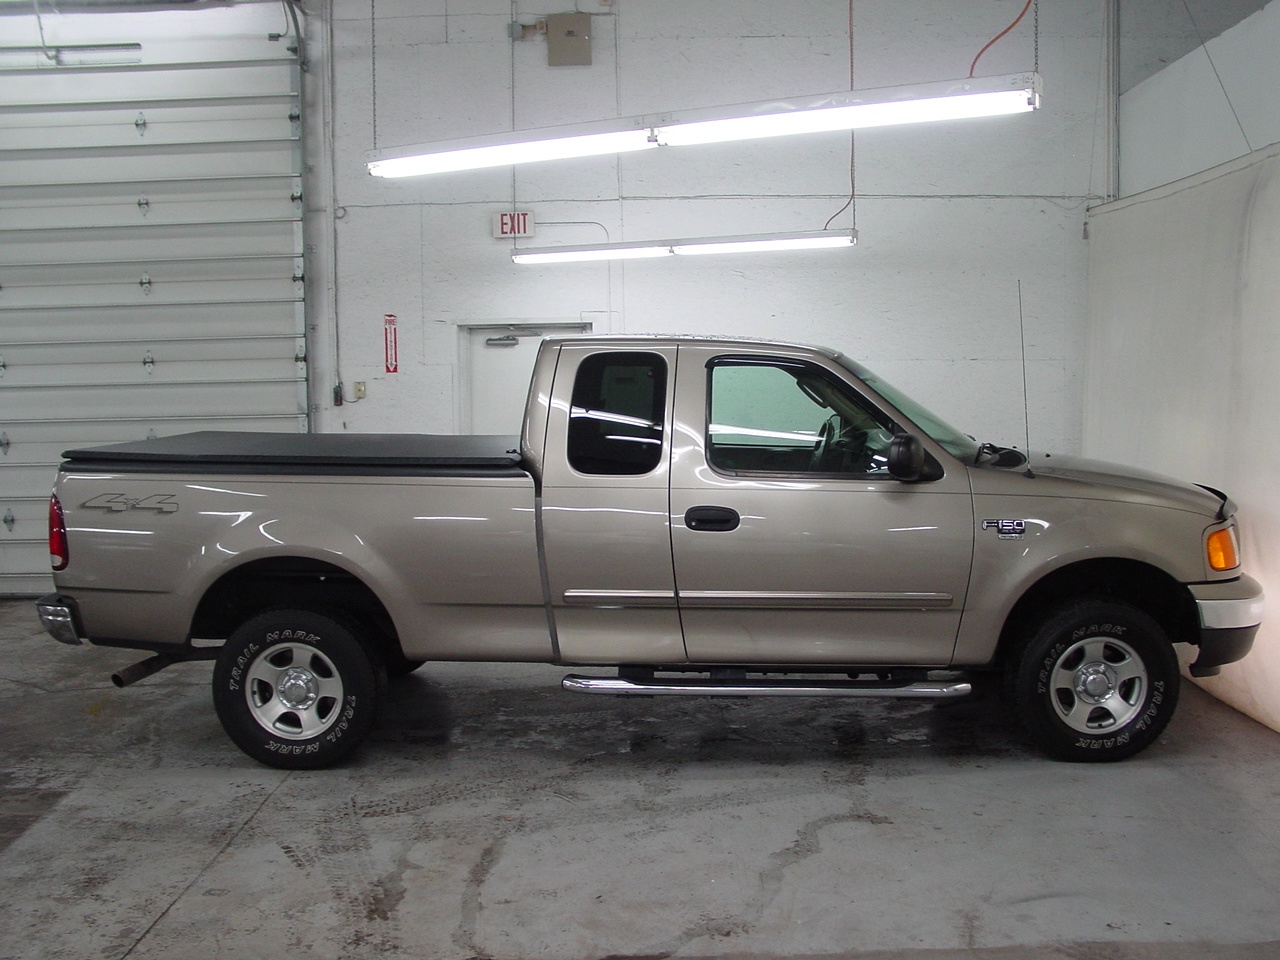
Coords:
779,416
616,417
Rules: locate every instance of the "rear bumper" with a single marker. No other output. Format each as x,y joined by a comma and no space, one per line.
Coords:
61,618
1230,614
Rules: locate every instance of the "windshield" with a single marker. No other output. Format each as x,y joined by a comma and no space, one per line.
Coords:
959,445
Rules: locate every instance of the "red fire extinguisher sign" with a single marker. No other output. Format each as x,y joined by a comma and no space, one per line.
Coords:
392,343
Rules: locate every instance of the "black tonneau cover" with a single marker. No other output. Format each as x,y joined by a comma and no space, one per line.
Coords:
225,451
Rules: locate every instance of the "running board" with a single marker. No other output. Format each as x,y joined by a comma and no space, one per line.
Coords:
914,690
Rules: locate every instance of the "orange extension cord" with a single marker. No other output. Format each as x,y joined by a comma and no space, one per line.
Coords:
973,66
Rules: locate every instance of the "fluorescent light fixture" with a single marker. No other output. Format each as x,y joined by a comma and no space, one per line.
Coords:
561,143
753,243
599,251
848,116
850,110
815,240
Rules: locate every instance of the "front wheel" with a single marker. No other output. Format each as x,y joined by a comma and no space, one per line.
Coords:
1096,680
296,689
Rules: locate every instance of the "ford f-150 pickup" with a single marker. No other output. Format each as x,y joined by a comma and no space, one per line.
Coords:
709,517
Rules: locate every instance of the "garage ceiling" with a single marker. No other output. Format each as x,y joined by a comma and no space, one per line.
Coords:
1155,33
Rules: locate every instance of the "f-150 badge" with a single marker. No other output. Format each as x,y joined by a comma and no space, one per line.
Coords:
1007,529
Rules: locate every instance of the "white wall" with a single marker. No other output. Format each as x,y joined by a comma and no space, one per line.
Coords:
951,216
1214,105
1184,306
1184,344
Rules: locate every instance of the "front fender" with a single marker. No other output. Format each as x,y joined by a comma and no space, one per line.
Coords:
1053,534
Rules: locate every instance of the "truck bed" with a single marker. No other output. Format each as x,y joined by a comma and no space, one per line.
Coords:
213,451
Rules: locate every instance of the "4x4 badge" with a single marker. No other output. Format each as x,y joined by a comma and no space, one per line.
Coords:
118,502
1007,529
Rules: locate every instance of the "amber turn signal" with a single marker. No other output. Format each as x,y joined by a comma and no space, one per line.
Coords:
1222,550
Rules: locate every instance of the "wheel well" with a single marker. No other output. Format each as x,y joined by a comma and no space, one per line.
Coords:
1146,587
291,582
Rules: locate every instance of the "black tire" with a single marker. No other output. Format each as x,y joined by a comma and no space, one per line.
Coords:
296,689
1095,680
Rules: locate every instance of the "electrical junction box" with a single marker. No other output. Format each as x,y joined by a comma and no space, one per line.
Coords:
569,40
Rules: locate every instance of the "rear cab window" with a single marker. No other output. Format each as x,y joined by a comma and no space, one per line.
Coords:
616,414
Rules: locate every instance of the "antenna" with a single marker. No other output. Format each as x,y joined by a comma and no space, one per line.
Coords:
1026,416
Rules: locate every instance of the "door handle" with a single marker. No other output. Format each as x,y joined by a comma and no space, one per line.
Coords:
711,518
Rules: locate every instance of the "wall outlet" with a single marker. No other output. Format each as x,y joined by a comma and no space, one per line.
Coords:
359,388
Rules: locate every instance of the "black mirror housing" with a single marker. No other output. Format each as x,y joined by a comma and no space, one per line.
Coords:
909,462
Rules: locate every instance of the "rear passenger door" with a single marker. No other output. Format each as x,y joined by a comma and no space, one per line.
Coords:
604,506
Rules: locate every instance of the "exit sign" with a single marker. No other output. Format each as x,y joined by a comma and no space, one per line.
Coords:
514,224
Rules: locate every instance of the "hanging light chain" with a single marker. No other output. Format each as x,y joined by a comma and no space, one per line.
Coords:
1035,32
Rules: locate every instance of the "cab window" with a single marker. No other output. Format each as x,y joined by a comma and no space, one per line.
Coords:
780,416
616,414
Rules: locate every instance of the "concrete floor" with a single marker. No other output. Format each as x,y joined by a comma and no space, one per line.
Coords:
494,816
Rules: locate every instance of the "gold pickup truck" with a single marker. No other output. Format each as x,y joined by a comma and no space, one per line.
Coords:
710,517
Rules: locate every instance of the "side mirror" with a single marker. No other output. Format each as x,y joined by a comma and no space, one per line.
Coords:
906,458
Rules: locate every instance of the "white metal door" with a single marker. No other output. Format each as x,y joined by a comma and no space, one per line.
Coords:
150,241
499,363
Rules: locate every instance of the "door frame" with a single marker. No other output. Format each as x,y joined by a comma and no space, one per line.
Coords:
517,328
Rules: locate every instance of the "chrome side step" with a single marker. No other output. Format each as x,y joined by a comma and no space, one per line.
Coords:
916,689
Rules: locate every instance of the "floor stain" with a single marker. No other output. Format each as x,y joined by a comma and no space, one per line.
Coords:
21,808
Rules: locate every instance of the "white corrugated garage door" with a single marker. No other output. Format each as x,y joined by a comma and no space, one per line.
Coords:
150,241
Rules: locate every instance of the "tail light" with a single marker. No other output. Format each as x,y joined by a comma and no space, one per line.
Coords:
59,556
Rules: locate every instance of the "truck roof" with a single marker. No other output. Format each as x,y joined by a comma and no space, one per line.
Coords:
651,339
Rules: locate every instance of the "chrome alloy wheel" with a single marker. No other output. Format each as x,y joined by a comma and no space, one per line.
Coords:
294,691
1097,684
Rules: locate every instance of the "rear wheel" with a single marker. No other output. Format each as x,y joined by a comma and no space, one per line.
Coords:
296,689
1095,680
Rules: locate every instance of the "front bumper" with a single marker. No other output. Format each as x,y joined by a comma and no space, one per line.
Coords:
60,618
1230,614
